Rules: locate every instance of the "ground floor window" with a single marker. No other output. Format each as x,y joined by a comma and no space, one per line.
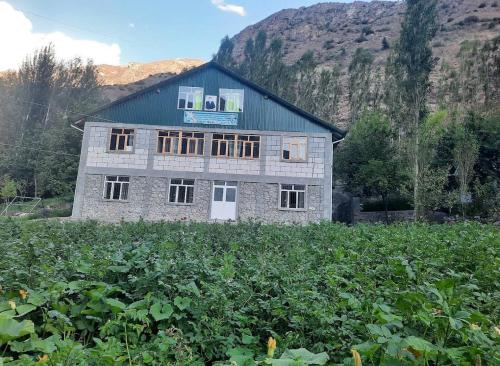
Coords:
181,191
116,187
292,196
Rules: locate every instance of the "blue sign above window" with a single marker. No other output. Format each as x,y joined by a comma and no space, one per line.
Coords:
211,118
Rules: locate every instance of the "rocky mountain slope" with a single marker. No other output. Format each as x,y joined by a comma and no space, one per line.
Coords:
119,81
335,30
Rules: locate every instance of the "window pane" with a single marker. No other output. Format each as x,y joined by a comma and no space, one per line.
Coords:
293,199
107,194
182,103
113,178
286,154
190,103
112,142
124,195
123,179
176,181
121,142
298,187
255,138
160,144
219,183
256,148
188,182
230,148
130,140
184,146
190,194
200,147
222,104
116,191
301,200
231,195
175,145
181,195
284,199
222,148
287,186
215,147
218,194
168,145
192,146
248,150
232,184
173,190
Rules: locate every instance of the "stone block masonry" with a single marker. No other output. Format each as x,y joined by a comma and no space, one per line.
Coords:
150,174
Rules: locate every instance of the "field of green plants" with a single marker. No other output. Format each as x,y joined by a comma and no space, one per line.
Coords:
195,294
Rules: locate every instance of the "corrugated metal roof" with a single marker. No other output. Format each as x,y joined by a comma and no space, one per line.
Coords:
262,110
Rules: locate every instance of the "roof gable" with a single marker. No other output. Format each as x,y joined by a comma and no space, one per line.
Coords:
157,105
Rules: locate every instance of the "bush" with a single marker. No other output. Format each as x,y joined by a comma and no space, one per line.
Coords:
385,44
361,39
193,294
367,30
394,204
482,5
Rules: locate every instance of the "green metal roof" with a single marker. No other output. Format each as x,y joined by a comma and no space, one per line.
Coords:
262,110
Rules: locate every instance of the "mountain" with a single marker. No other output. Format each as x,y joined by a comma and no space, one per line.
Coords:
333,31
119,81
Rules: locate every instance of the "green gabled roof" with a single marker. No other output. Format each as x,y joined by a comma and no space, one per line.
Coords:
140,108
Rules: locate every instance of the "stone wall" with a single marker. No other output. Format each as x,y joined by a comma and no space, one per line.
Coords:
148,199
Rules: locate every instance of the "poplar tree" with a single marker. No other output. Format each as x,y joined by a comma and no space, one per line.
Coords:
360,70
414,57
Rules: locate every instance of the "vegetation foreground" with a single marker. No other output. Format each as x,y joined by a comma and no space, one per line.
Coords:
194,294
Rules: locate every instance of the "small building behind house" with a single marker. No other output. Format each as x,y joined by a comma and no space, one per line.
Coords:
205,145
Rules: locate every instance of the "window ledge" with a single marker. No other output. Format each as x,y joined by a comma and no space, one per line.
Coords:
293,161
293,209
120,152
115,201
232,158
180,204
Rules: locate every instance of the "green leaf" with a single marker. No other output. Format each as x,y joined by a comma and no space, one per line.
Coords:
241,356
160,312
11,329
305,357
116,305
25,309
420,344
182,302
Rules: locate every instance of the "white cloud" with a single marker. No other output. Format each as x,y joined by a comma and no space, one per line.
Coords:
230,8
17,40
131,25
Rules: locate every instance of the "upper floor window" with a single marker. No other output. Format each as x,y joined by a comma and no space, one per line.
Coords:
190,98
236,146
180,142
294,148
292,196
231,100
116,187
122,139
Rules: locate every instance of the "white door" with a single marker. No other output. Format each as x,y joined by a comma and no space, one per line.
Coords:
224,200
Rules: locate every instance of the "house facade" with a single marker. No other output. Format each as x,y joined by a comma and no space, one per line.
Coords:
206,145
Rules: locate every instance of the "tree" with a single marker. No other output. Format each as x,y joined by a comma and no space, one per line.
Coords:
8,189
360,70
371,168
413,55
385,44
46,96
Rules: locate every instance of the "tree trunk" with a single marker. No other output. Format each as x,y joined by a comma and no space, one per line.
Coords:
416,152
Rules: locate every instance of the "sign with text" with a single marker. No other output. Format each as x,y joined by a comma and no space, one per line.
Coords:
211,118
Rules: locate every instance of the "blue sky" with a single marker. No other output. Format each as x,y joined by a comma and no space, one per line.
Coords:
150,30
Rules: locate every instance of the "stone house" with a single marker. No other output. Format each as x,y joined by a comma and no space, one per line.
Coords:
205,145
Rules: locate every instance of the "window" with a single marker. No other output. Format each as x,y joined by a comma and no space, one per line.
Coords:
292,196
231,100
181,191
116,187
179,142
294,148
236,146
122,139
190,98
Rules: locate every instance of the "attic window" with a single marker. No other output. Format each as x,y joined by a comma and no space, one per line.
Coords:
231,100
190,98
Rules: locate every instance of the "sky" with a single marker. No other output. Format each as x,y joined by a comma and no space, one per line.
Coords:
117,32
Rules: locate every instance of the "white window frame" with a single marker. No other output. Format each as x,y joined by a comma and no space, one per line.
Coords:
121,133
294,142
293,190
231,94
189,92
240,142
176,146
183,183
115,182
